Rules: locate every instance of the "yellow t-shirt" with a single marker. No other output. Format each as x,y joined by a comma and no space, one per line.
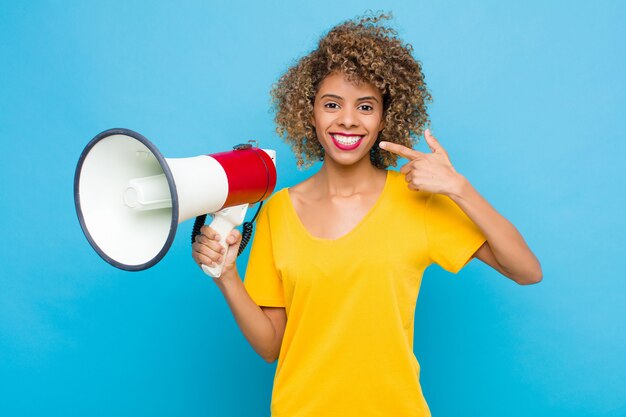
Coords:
350,302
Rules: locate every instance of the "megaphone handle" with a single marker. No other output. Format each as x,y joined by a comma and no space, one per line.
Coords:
223,228
223,224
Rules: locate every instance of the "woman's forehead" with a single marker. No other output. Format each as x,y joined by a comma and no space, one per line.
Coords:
340,84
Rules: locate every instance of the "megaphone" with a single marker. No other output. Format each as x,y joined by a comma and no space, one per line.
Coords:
130,199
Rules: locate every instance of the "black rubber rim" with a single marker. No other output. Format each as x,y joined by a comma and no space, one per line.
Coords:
170,182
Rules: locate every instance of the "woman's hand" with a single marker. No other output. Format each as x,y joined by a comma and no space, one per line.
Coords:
208,251
431,172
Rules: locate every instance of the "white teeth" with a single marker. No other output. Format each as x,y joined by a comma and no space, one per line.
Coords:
347,140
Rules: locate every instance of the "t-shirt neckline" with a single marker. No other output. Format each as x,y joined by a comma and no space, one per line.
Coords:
352,232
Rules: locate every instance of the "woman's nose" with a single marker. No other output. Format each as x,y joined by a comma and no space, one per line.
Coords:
347,118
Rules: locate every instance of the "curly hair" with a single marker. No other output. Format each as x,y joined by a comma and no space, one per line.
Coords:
364,50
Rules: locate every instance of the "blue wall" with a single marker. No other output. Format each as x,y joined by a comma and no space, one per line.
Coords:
529,101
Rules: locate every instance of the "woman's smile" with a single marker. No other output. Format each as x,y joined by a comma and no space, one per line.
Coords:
346,141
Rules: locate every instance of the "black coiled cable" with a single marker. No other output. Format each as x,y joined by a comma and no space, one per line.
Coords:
245,235
197,225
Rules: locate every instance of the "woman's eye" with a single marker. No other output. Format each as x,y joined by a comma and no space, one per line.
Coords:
366,107
331,105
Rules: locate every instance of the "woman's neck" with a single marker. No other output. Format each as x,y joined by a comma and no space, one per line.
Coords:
343,181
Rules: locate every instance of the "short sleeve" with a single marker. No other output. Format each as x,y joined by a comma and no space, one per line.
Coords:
452,236
262,280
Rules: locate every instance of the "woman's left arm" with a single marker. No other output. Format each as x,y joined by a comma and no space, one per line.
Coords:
505,249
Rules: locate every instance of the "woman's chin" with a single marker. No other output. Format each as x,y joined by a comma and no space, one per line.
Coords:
346,158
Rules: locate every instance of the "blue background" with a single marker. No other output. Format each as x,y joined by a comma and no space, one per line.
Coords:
529,101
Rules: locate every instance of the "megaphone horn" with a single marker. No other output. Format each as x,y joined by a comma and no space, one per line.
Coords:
130,199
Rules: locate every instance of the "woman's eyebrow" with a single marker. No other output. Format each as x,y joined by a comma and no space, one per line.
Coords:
368,98
332,96
335,96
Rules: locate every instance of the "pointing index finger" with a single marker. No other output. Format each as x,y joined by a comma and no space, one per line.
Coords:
401,150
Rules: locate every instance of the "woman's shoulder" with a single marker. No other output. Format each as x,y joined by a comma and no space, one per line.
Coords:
394,175
415,200
275,200
400,190
397,182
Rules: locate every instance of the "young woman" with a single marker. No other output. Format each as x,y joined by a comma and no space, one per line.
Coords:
337,260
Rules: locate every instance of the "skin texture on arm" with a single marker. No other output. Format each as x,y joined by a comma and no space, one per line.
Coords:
263,327
278,316
485,254
505,249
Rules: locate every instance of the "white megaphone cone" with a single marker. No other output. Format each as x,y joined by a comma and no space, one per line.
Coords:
130,199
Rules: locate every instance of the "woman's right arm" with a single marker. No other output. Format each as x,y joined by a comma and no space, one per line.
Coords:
263,327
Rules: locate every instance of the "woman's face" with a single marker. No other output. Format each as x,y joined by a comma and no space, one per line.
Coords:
347,118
